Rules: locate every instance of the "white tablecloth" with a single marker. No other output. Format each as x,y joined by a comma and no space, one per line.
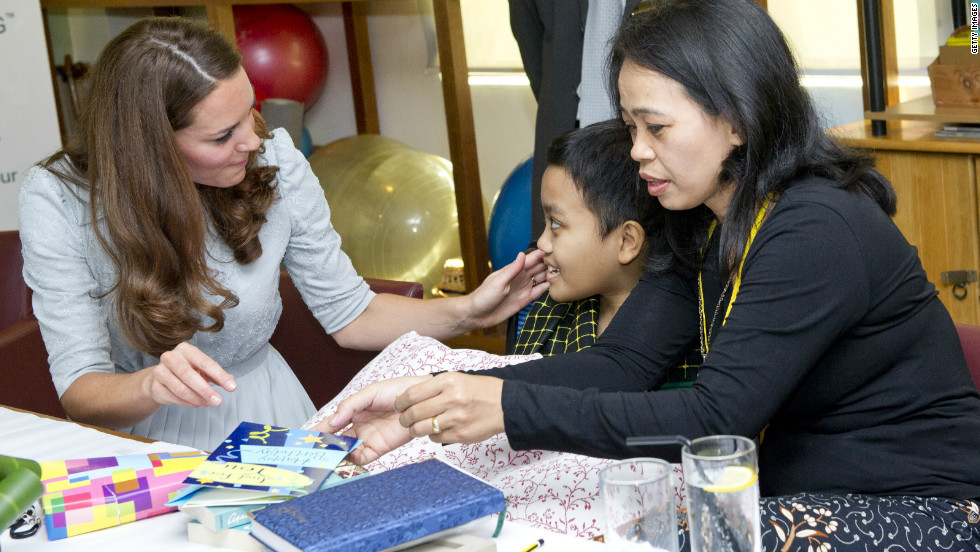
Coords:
42,439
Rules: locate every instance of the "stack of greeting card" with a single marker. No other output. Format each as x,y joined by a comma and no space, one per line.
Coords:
264,464
257,465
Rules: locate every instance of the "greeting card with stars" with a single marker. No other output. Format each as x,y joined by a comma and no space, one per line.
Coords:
259,463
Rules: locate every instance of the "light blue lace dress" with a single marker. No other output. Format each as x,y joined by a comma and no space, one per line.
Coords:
67,269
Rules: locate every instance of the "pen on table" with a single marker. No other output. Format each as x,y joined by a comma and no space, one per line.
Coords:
534,546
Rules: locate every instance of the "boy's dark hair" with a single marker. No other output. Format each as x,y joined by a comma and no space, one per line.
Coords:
597,157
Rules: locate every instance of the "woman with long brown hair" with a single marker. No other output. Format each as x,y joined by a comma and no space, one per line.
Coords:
153,243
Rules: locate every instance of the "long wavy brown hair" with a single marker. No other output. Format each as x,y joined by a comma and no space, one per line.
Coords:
124,160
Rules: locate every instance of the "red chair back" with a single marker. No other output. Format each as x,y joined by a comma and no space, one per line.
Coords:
15,296
970,340
23,358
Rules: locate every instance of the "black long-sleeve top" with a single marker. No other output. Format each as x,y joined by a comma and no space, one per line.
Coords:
837,345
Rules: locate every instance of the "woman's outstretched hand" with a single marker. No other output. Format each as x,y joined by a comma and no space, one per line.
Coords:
372,418
466,408
387,414
184,377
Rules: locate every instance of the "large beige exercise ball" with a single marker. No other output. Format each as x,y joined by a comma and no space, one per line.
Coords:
394,207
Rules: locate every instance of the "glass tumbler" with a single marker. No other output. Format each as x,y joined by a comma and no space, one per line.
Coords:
721,475
638,503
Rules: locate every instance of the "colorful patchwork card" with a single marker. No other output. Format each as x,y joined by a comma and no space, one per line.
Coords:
94,493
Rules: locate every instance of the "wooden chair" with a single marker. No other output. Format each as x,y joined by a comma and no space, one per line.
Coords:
322,366
15,296
23,359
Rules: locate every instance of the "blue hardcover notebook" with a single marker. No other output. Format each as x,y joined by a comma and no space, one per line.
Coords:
378,512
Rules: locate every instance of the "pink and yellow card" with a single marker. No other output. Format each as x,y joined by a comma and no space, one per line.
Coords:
94,493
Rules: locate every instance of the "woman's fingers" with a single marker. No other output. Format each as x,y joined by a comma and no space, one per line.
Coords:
364,454
184,377
372,417
379,433
346,410
206,366
534,261
168,387
418,411
463,408
417,393
163,395
535,268
184,381
378,397
512,269
426,426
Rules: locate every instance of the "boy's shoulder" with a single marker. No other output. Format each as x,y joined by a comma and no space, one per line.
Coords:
546,305
555,327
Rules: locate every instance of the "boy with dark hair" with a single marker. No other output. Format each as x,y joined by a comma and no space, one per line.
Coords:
596,210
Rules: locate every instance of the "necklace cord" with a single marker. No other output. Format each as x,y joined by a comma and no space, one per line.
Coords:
705,329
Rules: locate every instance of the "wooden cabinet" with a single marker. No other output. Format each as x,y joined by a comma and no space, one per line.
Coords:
935,179
936,182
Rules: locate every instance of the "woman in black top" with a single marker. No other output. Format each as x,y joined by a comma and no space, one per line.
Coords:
818,326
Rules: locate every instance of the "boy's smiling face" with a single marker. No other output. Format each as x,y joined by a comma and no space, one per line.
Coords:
581,263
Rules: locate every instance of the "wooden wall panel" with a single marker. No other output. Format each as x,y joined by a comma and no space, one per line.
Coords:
937,212
462,142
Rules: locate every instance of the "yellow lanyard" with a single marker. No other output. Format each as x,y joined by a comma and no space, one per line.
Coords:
761,216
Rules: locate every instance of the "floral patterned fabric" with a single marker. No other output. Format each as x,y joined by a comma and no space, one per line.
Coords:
552,491
817,522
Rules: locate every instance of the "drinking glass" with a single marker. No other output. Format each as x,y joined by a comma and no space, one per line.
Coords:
638,503
721,475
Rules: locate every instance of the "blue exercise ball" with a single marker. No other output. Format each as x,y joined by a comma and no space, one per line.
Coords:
510,219
306,143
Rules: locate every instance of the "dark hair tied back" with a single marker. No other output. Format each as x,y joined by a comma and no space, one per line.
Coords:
733,61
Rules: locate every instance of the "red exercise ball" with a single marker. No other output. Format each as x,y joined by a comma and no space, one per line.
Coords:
259,97
282,51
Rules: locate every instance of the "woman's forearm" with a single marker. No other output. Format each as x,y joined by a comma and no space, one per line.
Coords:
390,316
109,400
501,295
